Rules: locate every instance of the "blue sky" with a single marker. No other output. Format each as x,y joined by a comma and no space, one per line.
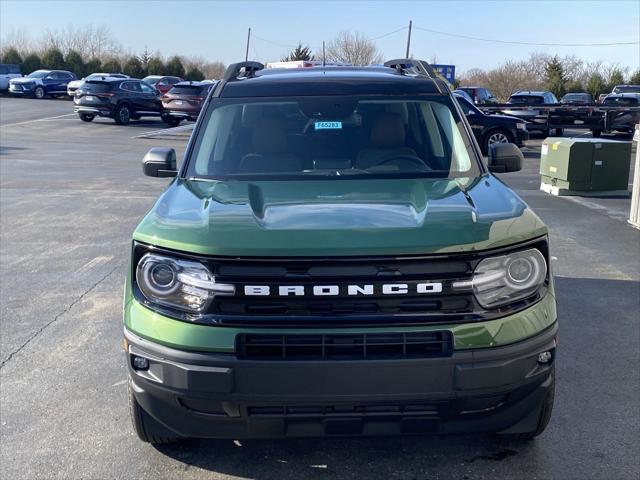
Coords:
217,30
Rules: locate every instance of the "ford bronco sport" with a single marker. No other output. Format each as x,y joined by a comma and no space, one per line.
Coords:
334,257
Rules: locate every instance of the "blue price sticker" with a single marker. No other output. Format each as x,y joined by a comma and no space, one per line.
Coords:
328,125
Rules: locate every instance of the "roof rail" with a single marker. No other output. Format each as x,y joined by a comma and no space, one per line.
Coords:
413,66
236,71
241,70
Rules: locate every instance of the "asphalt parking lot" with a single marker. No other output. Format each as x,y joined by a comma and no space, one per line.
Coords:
71,194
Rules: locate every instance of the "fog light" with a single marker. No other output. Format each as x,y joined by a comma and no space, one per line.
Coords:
140,363
544,357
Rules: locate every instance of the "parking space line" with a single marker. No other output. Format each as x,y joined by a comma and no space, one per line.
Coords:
37,120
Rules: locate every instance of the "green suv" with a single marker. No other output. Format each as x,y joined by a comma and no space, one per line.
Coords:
334,257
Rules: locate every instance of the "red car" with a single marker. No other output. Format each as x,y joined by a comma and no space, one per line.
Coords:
185,99
162,84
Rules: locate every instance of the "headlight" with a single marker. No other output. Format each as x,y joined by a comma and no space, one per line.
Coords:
521,126
180,284
505,279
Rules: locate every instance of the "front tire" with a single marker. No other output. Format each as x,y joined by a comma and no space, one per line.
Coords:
38,93
147,429
496,136
122,115
86,117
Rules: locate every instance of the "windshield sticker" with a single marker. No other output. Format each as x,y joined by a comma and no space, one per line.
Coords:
328,125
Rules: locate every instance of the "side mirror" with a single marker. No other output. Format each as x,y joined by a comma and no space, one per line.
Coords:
160,162
505,157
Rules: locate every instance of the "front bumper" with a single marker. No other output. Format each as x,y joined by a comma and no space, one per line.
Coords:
218,395
21,89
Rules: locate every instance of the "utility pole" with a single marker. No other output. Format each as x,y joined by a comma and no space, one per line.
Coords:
246,53
323,54
408,39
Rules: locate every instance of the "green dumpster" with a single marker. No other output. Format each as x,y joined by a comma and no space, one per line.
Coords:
585,166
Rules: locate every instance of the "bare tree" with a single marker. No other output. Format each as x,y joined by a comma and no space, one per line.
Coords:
19,39
90,41
353,48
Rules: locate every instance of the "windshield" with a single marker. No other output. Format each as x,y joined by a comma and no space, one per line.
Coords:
627,101
581,97
627,89
527,99
190,90
151,79
309,137
38,74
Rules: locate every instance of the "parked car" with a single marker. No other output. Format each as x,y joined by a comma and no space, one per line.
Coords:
626,89
491,129
73,86
531,115
121,99
42,83
463,94
577,99
480,95
184,100
162,84
310,200
620,121
7,72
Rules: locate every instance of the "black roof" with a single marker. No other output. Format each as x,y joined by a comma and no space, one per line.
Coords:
328,81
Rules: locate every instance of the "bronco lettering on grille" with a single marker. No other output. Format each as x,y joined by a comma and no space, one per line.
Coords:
334,290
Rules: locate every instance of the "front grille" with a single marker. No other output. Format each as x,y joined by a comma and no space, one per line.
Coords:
347,410
371,346
375,308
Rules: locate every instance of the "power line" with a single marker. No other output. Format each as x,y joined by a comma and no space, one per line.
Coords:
468,37
284,45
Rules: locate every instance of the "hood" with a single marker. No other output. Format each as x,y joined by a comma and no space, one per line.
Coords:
338,217
75,83
25,80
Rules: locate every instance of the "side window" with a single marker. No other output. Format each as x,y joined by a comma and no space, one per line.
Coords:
146,88
465,105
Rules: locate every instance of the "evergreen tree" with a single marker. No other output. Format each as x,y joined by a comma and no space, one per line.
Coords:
73,62
299,53
635,78
575,86
53,59
155,66
596,85
174,67
144,58
555,78
195,74
94,66
11,56
112,65
133,67
31,63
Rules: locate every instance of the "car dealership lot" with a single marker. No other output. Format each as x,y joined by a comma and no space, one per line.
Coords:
71,194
